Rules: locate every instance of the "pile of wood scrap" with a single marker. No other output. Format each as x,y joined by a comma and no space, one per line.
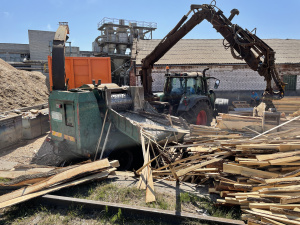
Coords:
252,125
264,179
287,105
238,123
261,174
46,180
200,158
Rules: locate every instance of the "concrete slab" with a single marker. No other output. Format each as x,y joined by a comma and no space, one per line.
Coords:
7,165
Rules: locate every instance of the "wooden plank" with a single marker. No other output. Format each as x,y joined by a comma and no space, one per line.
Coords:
123,173
258,146
143,178
288,200
268,205
284,179
150,196
284,211
171,129
276,155
294,173
58,178
281,161
295,218
288,147
254,163
197,166
289,168
194,157
26,197
290,188
147,164
270,221
279,194
11,174
237,125
236,169
272,217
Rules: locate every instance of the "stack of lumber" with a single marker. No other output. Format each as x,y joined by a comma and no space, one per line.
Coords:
238,123
264,180
251,124
36,184
209,132
241,104
287,104
261,175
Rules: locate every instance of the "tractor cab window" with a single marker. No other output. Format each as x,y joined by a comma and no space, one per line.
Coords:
187,85
178,85
199,86
191,86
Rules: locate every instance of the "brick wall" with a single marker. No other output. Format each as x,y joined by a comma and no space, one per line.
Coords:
232,77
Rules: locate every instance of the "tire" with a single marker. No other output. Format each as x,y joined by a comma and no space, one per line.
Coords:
221,105
199,114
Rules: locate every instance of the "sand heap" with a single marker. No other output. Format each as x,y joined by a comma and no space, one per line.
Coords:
19,88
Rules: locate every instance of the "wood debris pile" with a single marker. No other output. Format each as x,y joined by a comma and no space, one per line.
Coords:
32,182
260,174
288,104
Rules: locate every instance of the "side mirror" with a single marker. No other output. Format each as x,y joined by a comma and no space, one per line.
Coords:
217,83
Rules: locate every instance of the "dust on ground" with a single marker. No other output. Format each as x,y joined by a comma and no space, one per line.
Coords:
19,88
36,151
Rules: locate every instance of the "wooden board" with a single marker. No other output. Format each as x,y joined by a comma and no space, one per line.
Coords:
11,174
58,178
236,169
56,188
197,166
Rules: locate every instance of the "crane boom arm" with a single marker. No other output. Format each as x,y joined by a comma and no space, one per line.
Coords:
242,43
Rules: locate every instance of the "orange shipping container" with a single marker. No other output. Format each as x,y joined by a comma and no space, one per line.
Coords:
82,70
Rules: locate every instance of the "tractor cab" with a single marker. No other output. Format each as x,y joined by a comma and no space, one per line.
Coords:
187,95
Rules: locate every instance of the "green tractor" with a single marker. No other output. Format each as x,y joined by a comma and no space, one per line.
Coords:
187,95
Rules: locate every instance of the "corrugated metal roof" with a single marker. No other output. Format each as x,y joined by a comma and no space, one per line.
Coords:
211,51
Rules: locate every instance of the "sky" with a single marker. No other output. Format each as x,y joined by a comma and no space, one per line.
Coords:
272,18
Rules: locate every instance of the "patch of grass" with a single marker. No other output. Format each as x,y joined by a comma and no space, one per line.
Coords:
110,192
17,213
3,180
107,191
213,210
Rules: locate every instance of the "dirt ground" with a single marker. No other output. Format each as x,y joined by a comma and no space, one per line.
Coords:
36,151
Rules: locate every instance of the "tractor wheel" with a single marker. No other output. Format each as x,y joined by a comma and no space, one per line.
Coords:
199,114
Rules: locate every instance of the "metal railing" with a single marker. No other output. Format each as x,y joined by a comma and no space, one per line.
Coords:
129,23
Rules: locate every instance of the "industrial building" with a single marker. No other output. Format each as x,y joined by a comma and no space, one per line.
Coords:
36,52
115,41
237,79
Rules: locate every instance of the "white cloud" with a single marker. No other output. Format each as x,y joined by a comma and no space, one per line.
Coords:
49,27
6,14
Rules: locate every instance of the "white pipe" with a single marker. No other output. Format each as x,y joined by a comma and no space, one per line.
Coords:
275,127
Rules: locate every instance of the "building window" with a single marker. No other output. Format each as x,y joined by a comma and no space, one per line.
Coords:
291,81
